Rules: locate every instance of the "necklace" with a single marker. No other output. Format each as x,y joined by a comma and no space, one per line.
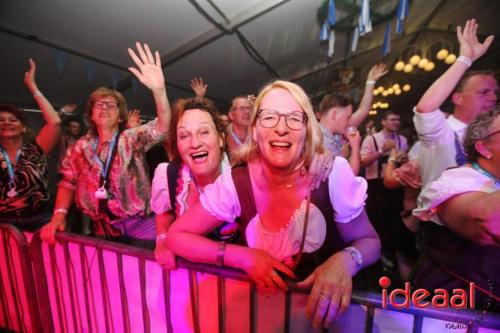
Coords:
486,173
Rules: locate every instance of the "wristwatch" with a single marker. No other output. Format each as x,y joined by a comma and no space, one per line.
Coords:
356,256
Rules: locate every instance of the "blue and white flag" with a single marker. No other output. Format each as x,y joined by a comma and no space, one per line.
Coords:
90,68
61,58
387,39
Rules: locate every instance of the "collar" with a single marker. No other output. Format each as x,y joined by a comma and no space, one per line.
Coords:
456,125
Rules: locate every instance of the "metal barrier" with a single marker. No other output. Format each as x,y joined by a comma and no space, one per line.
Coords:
89,285
18,299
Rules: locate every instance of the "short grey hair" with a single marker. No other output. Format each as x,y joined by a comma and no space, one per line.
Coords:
477,130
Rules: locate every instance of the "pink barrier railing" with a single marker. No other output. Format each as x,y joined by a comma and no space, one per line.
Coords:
88,285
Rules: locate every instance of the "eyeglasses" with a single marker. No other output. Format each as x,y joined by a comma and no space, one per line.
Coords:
491,134
295,120
109,105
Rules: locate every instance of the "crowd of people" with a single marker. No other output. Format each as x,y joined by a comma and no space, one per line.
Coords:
432,211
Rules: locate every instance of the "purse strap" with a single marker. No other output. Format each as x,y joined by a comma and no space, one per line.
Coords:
304,233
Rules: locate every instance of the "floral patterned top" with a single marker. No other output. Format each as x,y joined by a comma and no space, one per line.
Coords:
333,142
129,187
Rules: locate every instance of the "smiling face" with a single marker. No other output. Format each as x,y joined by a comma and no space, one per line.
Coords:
280,147
10,126
199,144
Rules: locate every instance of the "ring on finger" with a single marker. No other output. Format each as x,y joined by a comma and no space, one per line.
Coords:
273,275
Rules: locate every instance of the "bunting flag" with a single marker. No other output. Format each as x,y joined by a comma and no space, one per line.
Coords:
401,14
355,38
61,58
387,39
331,43
90,68
135,83
115,77
331,13
365,22
323,34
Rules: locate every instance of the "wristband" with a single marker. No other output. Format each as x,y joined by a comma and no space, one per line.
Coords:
392,159
465,60
220,253
61,211
37,93
161,236
369,82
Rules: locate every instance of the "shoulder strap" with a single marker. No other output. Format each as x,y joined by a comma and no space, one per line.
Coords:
243,185
374,142
172,175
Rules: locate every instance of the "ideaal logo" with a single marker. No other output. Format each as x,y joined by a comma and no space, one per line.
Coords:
460,298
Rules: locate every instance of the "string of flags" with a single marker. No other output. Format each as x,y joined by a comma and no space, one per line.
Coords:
364,26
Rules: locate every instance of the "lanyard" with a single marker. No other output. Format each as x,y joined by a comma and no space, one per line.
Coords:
486,173
10,167
236,139
105,167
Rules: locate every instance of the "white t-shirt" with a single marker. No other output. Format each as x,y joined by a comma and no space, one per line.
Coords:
452,182
437,151
347,196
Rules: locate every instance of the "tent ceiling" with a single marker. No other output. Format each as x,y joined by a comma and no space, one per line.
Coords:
283,34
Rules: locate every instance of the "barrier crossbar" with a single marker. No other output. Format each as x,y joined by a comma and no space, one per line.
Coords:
90,285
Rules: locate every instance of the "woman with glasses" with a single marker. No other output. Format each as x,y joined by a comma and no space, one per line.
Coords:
106,172
24,194
287,228
460,213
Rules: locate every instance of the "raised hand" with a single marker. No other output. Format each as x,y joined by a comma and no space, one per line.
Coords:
376,72
29,77
149,70
470,46
199,87
134,118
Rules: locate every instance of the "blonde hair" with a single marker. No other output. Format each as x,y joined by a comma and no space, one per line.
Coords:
248,151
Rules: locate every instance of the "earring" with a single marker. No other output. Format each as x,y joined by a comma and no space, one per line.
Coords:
489,156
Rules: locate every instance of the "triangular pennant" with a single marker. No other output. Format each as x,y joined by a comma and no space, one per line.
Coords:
331,13
387,39
331,43
61,58
355,38
323,34
90,68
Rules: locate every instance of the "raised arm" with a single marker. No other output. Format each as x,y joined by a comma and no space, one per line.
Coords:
49,134
199,87
375,73
150,73
474,216
470,50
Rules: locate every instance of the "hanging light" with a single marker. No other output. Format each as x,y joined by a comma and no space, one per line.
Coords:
374,105
396,86
399,66
429,67
414,59
443,53
406,87
423,62
380,89
390,91
375,92
397,92
408,68
385,93
450,59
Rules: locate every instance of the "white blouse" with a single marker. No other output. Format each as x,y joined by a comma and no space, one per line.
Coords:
160,195
347,196
452,182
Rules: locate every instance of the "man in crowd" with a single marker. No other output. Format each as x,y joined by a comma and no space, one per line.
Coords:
239,114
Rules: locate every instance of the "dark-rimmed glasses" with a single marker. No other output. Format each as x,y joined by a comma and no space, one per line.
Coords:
109,105
295,120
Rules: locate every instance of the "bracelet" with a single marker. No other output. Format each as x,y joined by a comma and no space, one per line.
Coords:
161,236
37,93
61,210
220,253
465,60
356,256
392,159
370,82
